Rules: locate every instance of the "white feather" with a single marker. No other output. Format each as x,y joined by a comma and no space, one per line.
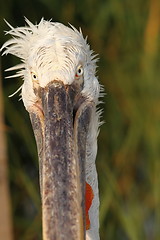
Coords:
15,92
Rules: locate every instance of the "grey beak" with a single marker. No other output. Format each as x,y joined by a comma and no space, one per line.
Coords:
61,125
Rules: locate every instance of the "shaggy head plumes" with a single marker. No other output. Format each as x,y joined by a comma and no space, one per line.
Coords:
51,51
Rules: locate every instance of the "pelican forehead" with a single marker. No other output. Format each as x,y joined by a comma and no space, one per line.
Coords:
54,59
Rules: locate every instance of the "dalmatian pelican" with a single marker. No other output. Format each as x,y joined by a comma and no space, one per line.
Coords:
61,92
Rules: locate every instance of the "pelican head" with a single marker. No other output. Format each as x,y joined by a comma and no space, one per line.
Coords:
60,91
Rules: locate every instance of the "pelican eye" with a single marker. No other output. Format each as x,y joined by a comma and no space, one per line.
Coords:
34,76
79,71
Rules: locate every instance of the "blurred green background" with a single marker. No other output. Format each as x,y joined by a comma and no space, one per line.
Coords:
126,35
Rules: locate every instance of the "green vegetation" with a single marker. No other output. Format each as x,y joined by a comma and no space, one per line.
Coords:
126,34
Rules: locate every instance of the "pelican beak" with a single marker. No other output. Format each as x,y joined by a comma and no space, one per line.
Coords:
60,120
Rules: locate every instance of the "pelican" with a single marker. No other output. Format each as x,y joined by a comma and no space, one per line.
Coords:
61,92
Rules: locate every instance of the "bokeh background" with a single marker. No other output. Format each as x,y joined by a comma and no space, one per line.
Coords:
126,35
